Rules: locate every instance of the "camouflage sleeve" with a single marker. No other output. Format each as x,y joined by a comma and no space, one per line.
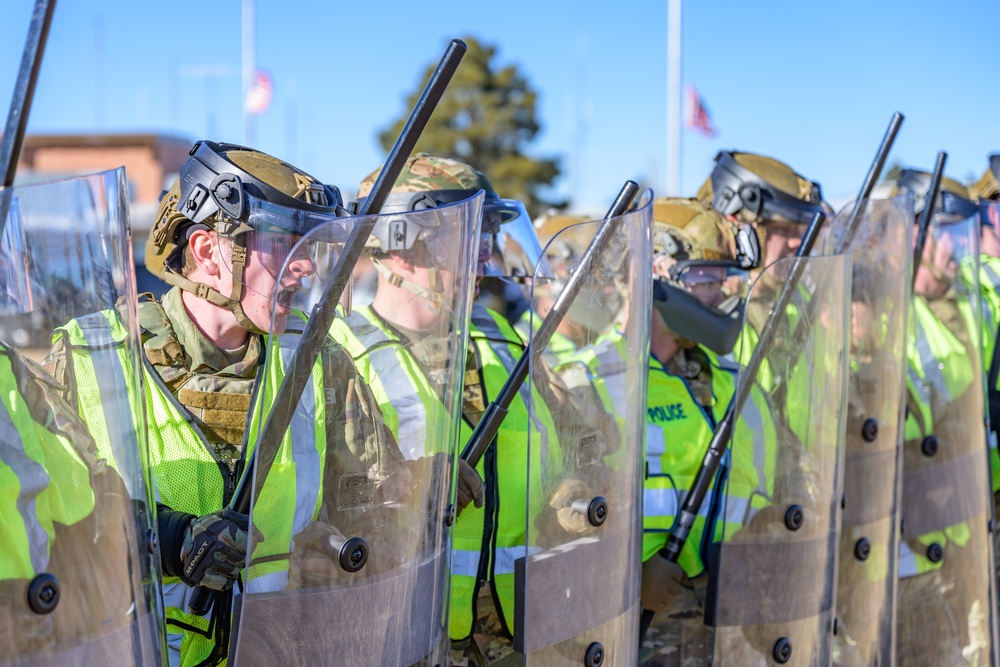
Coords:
59,368
50,409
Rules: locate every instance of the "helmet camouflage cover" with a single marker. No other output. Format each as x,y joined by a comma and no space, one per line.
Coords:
988,187
687,229
426,173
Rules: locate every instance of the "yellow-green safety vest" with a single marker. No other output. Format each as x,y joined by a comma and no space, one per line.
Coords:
678,431
188,476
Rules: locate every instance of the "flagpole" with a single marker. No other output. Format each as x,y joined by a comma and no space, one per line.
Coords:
249,67
673,97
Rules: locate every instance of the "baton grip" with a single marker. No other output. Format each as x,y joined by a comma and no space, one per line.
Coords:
204,598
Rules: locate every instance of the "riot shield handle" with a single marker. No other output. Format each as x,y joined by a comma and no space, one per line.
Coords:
20,102
321,317
489,424
930,200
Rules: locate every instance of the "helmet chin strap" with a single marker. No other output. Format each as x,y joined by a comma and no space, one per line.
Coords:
434,300
212,295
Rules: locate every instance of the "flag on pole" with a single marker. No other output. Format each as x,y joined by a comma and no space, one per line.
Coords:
259,94
697,117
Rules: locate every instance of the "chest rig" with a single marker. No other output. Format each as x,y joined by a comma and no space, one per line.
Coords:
219,401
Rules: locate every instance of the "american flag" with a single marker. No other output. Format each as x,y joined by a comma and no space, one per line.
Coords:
697,117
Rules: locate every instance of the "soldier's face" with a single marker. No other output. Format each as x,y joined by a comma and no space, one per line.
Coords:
782,240
267,287
989,242
706,284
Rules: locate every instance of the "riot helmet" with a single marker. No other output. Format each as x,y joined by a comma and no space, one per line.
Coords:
255,201
696,252
988,187
758,188
953,201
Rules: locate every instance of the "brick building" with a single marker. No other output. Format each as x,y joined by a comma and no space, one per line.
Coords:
151,163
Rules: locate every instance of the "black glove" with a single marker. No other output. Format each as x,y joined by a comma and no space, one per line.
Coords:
213,552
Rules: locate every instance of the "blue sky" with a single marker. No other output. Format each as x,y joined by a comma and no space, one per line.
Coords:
813,83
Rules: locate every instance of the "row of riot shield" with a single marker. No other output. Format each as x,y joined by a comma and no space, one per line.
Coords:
865,537
79,570
860,538
354,530
947,592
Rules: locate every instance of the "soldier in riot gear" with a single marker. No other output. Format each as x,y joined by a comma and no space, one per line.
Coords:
222,235
778,202
690,387
945,609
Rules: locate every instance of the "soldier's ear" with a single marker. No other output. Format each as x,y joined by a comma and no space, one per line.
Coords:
204,248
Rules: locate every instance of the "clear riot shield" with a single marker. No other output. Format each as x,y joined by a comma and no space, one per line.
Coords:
78,574
577,585
349,554
772,576
880,294
947,599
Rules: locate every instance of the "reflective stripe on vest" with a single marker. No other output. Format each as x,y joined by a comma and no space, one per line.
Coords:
105,340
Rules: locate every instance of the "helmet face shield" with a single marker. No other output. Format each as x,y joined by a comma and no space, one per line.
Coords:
265,216
212,184
516,253
253,261
431,225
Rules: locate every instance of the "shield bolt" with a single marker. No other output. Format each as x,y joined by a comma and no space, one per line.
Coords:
43,593
869,431
929,445
935,553
794,517
862,549
782,651
151,541
449,515
354,554
594,657
597,512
